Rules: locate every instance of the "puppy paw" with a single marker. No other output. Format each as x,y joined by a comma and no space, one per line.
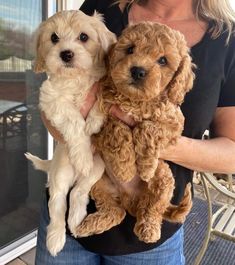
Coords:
92,126
94,120
149,233
56,238
92,225
146,176
83,231
99,222
89,128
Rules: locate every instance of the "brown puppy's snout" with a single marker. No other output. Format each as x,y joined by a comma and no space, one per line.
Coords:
66,56
138,73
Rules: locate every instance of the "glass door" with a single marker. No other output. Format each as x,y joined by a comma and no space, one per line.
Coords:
21,129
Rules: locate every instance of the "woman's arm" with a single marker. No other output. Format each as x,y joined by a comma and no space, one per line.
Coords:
214,155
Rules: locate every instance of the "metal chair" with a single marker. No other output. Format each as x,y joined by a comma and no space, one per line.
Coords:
13,123
222,222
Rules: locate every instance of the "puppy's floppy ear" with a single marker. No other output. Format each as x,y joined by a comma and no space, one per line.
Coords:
105,36
109,55
182,81
39,63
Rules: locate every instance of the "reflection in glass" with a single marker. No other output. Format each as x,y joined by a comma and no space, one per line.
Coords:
21,129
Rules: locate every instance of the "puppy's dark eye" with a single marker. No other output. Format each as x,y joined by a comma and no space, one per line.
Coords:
162,61
83,37
130,50
54,38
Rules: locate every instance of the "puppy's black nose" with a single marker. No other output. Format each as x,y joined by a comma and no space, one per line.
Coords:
138,73
66,55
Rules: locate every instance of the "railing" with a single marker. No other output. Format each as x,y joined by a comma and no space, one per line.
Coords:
15,64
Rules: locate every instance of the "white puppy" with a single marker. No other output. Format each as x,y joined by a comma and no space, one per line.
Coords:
70,48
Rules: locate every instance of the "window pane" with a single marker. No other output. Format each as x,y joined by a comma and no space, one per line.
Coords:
21,129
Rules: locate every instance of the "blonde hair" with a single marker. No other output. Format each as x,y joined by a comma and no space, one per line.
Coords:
219,11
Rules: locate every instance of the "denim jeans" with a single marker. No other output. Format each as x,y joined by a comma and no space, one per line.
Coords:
169,253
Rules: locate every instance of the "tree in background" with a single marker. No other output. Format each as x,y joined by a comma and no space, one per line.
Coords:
15,42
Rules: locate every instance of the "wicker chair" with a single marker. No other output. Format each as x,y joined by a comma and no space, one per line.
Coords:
222,222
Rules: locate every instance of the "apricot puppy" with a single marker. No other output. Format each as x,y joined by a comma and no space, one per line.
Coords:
149,73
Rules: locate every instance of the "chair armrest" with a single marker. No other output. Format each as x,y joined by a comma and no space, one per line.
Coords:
209,177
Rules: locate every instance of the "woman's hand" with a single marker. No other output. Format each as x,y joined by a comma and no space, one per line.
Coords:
89,102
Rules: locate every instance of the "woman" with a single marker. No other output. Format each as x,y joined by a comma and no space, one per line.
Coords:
207,26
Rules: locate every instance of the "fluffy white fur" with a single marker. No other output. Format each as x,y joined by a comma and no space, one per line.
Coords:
61,97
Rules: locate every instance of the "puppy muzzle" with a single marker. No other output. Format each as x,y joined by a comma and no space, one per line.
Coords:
67,56
138,73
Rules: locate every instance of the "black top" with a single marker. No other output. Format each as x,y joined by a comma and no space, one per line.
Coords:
214,87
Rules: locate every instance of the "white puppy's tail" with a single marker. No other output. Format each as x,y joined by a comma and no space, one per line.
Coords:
38,163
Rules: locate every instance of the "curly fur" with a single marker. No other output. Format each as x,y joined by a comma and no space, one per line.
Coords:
61,97
153,100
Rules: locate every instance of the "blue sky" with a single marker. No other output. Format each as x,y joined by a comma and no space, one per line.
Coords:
24,14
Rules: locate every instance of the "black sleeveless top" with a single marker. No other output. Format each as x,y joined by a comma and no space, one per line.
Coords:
214,87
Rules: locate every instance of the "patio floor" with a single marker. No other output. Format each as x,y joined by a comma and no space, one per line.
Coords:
213,254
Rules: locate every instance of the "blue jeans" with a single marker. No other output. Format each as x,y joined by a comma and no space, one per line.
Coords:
169,253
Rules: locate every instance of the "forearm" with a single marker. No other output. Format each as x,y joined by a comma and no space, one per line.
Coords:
213,155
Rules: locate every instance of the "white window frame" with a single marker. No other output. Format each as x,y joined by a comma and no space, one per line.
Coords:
18,247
